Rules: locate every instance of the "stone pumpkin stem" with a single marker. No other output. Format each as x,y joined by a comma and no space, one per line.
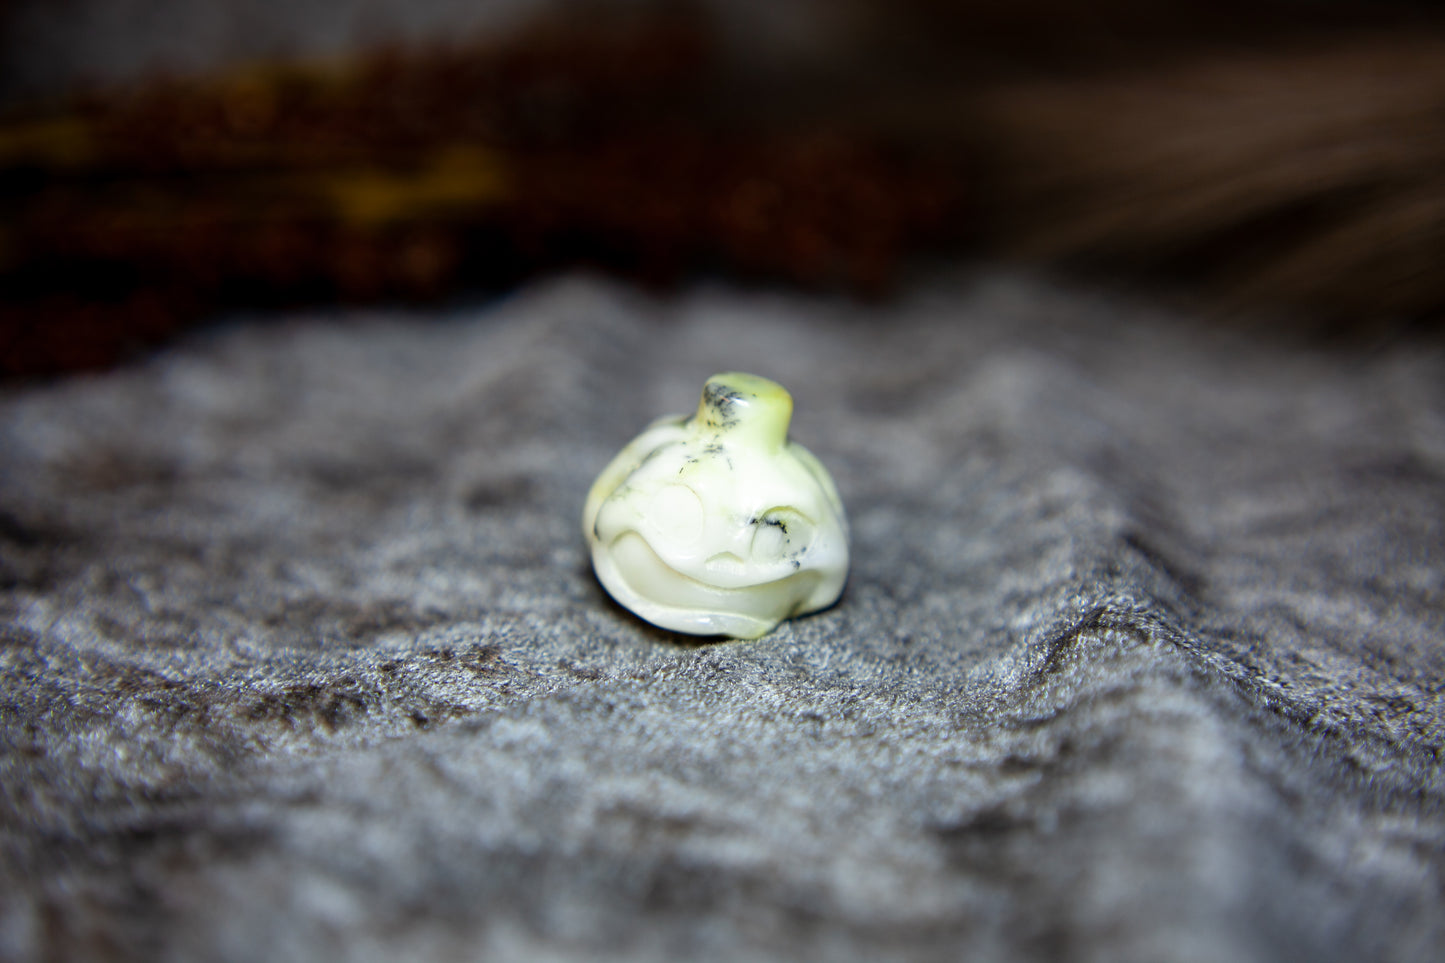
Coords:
751,409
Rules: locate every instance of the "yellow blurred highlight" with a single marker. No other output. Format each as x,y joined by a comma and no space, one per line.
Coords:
63,142
459,180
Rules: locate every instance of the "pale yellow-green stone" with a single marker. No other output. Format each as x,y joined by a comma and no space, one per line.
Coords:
717,524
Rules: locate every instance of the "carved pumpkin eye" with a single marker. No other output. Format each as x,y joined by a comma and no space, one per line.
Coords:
677,514
781,533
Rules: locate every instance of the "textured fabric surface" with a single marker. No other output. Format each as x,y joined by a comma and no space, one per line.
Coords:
1141,656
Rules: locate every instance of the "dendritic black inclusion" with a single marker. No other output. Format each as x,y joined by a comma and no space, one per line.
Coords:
722,402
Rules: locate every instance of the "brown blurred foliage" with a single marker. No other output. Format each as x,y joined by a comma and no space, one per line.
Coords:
1269,159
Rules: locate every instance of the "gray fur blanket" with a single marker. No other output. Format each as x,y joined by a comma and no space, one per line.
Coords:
1142,656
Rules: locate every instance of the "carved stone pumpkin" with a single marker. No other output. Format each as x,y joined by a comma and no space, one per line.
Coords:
717,524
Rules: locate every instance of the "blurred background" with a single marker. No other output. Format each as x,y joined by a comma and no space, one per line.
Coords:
166,161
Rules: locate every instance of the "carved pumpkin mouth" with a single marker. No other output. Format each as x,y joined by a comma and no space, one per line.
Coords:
661,594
